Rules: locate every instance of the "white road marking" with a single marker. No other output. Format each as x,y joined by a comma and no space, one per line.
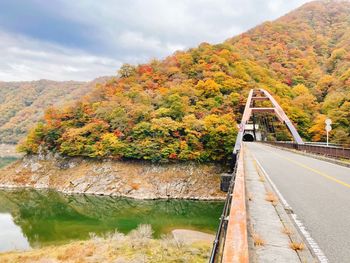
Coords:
312,243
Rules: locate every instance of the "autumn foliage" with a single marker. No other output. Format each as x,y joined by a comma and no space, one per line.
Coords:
22,103
186,107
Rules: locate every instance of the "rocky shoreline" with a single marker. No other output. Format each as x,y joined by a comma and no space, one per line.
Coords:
139,180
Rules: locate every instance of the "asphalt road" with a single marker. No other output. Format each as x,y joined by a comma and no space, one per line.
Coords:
318,192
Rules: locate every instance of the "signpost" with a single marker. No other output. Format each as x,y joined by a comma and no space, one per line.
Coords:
328,127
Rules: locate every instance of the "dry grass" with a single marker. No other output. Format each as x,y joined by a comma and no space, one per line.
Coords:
257,239
261,178
287,231
271,197
135,186
136,247
297,246
20,179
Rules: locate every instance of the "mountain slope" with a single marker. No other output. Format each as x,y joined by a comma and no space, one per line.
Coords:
303,45
310,47
22,103
186,106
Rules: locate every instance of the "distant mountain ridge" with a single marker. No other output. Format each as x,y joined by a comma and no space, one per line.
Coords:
22,104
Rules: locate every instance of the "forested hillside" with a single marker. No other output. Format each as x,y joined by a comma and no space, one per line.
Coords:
186,107
309,51
22,104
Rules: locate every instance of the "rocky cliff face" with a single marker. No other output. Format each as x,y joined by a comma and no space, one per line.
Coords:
139,180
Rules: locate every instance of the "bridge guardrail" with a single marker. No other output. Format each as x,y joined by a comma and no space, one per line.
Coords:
329,144
329,151
231,241
218,245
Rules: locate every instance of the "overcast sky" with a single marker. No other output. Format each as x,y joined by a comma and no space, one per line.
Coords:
85,39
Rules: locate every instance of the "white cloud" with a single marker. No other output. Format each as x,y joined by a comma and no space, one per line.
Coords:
23,58
138,41
130,31
150,28
141,43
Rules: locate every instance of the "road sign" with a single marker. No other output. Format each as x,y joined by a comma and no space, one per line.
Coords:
328,127
328,121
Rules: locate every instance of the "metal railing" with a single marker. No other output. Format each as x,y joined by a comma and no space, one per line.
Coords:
219,242
334,151
325,144
331,144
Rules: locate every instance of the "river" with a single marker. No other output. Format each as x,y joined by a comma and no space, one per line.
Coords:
32,219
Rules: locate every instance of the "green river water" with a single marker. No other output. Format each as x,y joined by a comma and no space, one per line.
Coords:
30,218
6,160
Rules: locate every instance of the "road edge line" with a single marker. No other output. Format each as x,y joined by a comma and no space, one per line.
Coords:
302,229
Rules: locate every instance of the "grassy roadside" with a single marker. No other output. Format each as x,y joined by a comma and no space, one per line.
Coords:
138,246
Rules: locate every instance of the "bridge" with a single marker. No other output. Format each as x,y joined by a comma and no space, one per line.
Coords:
286,201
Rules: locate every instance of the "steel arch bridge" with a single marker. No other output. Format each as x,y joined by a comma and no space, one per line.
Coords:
233,228
249,110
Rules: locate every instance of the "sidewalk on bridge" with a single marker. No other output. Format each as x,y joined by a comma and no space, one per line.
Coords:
271,233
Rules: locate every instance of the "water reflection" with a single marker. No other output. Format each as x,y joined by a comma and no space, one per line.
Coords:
48,217
11,235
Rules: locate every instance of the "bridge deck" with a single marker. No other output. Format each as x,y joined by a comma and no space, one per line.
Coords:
317,191
266,223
